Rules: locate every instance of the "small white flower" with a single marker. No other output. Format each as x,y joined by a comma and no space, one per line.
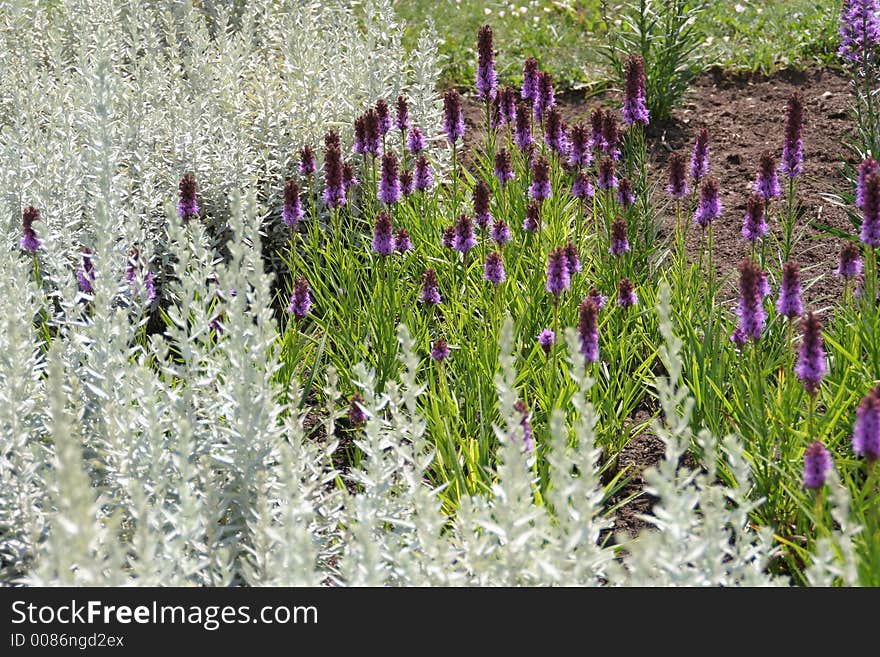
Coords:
487,11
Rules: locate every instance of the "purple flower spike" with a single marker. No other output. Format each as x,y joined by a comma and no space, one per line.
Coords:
607,178
401,118
546,338
494,269
423,178
545,98
572,260
751,310
292,211
588,330
619,240
532,222
503,168
448,236
384,114
850,265
789,302
406,182
678,186
581,187
349,180
300,300
610,136
625,195
506,106
29,240
306,161
554,132
530,80
383,239
859,31
415,141
635,109
133,265
430,294
360,135
579,147
700,156
188,205
150,286
738,337
85,275
372,131
870,233
453,120
402,241
754,223
811,364
767,182
793,147
597,298
463,239
356,414
522,134
487,79
866,432
334,186
482,197
558,277
500,232
866,168
597,127
389,183
817,465
528,439
626,294
540,187
439,350
709,207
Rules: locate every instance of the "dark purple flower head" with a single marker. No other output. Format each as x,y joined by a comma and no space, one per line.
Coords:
859,31
300,300
332,140
360,135
402,241
700,156
373,132
811,363
500,232
545,98
625,195
677,187
540,187
334,184
626,294
817,465
588,330
866,432
579,146
866,168
406,182
793,148
85,275
789,301
401,118
439,350
29,241
528,439
554,132
487,79
572,260
356,413
430,294
482,197
448,236
607,178
506,106
423,179
415,141
383,239
522,134
597,127
188,205
349,180
532,222
635,109
750,309
503,167
558,277
546,338
754,223
581,187
464,239
610,136
597,298
494,268
738,337
767,182
384,114
709,207
870,233
306,161
453,120
619,239
389,182
850,265
530,79
292,211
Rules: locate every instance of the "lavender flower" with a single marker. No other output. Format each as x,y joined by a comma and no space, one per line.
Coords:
389,183
738,337
545,99
764,285
334,187
384,114
859,31
503,168
530,79
423,178
464,239
817,465
401,118
709,207
572,260
581,187
754,223
750,310
487,79
546,338
188,205
866,432
29,241
415,141
610,136
619,240
522,133
292,211
494,269
356,413
700,156
383,240
300,301
528,439
532,222
506,106
306,161
406,182
626,294
625,195
430,294
150,286
540,187
850,265
634,108
678,186
448,236
558,277
870,233
85,275
767,182
793,147
453,121
402,241
811,364
597,126
579,146
500,232
588,330
554,132
439,350
866,168
482,197
597,298
607,178
789,302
